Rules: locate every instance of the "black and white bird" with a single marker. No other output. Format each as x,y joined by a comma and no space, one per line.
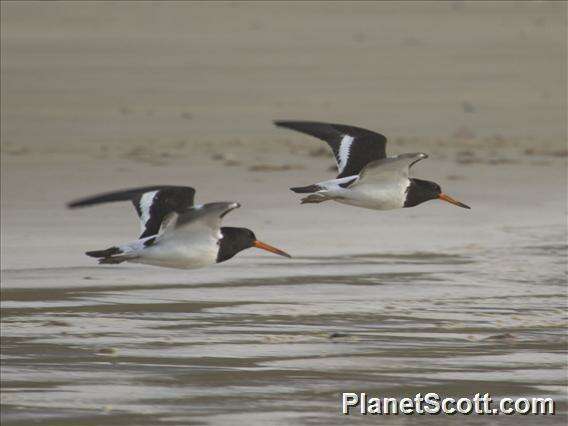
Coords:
367,177
175,233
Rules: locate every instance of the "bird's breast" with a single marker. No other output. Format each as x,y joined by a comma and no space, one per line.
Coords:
385,196
183,254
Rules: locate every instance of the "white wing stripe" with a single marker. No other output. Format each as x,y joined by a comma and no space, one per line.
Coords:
343,154
145,204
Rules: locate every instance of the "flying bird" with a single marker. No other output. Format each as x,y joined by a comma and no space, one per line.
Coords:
175,233
366,176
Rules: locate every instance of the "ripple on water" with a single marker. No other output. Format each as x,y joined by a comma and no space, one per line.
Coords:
388,323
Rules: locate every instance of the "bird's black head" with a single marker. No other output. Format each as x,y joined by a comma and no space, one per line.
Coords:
420,191
236,240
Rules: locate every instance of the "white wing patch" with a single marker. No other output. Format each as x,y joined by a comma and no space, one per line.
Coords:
145,203
343,154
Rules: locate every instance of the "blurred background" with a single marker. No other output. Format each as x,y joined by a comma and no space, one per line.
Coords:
78,76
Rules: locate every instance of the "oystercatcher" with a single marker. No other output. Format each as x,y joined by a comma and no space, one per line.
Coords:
367,177
175,232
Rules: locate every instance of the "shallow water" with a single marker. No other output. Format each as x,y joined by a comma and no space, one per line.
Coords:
271,342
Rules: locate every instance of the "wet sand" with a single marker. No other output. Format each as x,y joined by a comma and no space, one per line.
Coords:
434,298
429,299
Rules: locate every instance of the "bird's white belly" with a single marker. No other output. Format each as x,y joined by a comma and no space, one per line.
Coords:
180,254
376,197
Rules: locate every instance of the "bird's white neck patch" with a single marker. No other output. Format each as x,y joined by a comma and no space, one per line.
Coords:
343,154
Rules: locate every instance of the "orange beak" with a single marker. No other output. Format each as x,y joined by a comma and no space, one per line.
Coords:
261,245
449,199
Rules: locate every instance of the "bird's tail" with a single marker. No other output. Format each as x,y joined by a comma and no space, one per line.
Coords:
314,198
306,189
111,255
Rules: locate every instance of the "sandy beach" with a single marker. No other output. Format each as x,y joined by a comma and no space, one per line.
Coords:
103,96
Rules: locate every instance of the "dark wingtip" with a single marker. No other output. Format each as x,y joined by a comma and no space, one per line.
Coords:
286,123
74,204
94,253
305,189
83,202
128,195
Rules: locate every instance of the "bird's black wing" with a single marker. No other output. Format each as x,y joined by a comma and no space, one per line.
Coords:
352,146
152,203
